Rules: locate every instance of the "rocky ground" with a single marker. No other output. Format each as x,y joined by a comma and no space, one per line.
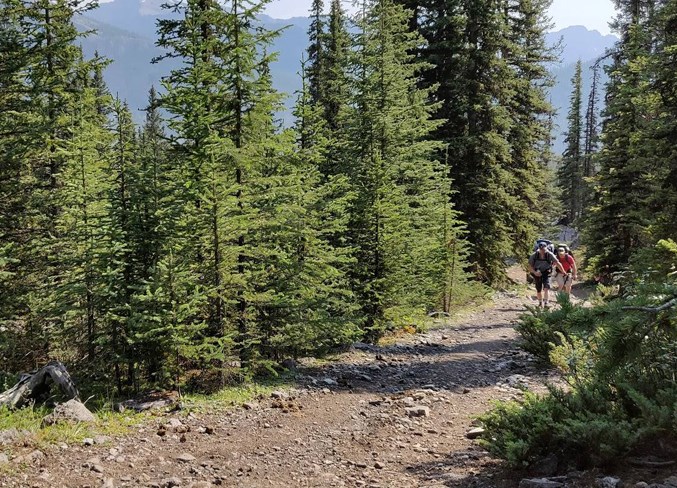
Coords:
395,416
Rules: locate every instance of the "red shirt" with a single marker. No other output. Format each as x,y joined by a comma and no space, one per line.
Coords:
567,262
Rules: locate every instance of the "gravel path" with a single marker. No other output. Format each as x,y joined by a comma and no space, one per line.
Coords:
396,416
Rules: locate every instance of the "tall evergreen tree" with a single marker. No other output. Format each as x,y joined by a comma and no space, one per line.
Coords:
665,124
591,132
570,173
316,65
400,211
528,56
620,216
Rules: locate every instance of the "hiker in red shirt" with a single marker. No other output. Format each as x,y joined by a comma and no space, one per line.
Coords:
568,264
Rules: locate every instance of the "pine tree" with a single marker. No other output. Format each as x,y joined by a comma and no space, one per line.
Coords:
40,68
591,139
619,217
528,56
469,49
664,125
83,224
570,173
316,65
399,214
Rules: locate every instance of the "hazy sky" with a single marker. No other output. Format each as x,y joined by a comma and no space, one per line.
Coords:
594,14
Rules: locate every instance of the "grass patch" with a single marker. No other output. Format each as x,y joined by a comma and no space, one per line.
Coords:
30,419
237,395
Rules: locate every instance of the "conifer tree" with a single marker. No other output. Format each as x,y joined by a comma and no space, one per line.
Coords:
591,139
316,64
570,173
530,111
665,125
84,223
398,216
619,217
41,69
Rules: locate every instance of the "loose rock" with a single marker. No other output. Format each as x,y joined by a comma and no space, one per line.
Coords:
71,411
185,457
608,482
475,433
540,483
418,411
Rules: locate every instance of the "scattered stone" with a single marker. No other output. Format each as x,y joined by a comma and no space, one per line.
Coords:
108,483
29,458
418,411
540,483
329,382
170,482
185,458
8,436
379,465
97,468
642,484
280,395
671,481
518,381
71,411
608,482
466,391
101,439
87,441
475,433
4,459
200,484
249,406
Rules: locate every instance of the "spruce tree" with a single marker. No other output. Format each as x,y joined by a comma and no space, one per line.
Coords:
570,173
619,218
665,124
528,56
316,64
401,202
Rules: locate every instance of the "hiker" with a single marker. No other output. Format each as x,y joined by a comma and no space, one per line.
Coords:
541,263
568,263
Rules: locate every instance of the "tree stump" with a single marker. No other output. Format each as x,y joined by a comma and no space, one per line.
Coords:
35,387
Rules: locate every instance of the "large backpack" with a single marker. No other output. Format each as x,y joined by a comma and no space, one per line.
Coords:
549,245
567,249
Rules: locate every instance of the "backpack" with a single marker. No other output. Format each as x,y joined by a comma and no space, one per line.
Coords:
566,248
549,245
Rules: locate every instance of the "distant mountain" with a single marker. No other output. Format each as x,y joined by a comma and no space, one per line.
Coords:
578,42
125,33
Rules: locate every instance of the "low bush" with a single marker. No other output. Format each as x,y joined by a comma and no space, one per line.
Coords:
619,359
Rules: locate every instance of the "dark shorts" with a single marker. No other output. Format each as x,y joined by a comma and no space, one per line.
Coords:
542,281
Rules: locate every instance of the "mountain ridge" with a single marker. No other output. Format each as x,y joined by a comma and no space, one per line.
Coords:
126,35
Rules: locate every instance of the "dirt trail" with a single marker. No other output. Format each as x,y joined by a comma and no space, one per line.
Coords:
347,423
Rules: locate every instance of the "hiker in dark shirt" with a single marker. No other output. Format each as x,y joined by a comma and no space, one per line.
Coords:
540,267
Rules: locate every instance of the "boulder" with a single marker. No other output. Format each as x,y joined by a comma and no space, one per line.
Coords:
71,411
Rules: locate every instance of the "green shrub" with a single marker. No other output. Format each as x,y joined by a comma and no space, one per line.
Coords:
619,359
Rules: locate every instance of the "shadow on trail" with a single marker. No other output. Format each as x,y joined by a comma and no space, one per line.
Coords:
472,364
485,471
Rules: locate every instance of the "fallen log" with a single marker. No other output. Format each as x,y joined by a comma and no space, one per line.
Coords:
35,387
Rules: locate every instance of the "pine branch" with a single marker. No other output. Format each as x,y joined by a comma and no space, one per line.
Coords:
654,310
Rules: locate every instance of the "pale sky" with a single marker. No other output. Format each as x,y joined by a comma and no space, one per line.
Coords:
594,14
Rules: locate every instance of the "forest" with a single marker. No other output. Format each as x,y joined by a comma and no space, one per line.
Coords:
210,243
